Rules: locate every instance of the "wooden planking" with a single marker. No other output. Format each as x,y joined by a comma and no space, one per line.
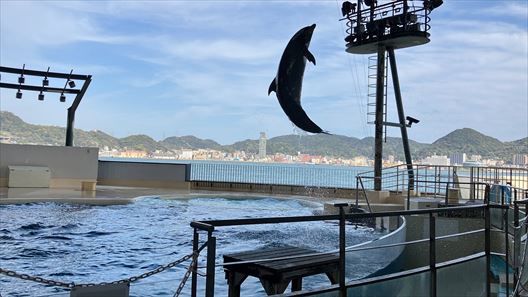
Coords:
278,266
266,253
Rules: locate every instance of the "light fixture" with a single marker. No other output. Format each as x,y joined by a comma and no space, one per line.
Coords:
62,97
432,4
45,81
71,83
19,95
348,7
371,3
41,96
411,121
21,79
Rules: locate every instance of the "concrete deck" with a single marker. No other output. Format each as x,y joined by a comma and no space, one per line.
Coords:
104,195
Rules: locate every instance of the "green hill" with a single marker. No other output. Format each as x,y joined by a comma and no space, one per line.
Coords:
190,142
464,140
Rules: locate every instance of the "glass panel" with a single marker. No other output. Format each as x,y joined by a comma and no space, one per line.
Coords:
465,279
412,285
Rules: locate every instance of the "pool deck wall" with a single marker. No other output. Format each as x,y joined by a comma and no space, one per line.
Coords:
138,174
70,167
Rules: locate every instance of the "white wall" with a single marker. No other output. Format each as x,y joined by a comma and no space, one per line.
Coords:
69,166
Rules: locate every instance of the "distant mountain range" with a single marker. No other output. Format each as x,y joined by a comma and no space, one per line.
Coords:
464,140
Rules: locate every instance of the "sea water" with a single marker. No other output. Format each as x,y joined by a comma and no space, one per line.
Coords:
92,244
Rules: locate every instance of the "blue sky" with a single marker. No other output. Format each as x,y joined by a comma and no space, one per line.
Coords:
173,68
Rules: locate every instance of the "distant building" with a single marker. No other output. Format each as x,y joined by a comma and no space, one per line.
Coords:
186,155
133,154
458,158
262,145
520,159
475,158
436,160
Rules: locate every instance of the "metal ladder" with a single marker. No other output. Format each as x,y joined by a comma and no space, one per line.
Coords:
371,96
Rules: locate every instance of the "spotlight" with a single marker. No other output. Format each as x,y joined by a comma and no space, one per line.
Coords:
21,79
41,96
71,83
62,97
370,2
411,121
348,7
19,95
45,82
432,4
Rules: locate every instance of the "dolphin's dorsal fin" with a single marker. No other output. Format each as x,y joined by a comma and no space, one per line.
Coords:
272,87
309,56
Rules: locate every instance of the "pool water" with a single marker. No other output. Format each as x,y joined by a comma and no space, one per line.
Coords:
90,244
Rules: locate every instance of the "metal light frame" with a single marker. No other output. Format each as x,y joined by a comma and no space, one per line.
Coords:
69,77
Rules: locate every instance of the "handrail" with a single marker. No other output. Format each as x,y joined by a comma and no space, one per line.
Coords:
364,193
210,224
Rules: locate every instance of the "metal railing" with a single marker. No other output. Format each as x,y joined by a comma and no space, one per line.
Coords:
431,180
211,226
275,174
368,24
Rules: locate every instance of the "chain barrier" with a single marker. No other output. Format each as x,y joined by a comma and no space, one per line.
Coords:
184,279
129,280
36,279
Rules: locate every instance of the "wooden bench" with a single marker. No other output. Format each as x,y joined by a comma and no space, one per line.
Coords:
276,275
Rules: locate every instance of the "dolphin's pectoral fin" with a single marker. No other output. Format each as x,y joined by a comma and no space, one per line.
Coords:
272,87
309,56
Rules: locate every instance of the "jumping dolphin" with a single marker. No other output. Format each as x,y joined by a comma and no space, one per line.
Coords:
288,82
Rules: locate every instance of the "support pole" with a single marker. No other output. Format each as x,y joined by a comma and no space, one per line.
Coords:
69,127
342,251
194,279
516,242
73,108
378,136
211,258
507,251
487,248
401,116
432,254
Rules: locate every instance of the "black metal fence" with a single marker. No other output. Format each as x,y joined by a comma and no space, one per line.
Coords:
342,288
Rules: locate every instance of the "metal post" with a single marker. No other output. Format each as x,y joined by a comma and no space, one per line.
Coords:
408,198
211,257
357,191
516,243
506,245
471,184
398,179
446,194
194,279
401,116
437,181
487,248
378,136
432,253
72,109
342,251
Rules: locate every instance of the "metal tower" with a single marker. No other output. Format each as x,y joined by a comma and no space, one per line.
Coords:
382,28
